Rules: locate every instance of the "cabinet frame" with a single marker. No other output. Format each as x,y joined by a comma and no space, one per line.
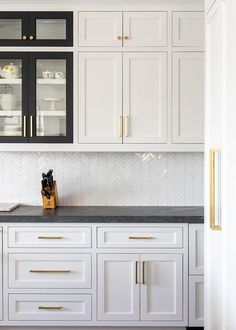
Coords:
24,17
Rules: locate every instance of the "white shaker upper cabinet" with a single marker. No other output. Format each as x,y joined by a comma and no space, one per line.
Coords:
144,97
100,29
145,29
100,97
188,29
188,97
162,291
118,289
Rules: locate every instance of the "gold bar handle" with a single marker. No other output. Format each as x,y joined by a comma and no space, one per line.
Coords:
126,126
49,270
212,160
50,237
141,237
136,272
31,126
51,307
25,126
119,126
143,272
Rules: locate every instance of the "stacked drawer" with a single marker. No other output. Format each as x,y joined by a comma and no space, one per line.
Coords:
52,259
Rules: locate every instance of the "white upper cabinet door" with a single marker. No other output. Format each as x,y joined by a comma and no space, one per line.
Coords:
145,29
188,29
100,29
145,97
118,290
188,97
162,288
100,97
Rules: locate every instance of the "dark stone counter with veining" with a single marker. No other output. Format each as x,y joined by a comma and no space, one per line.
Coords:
105,214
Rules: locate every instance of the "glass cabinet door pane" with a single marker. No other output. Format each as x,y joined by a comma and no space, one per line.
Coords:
51,97
10,28
52,29
10,97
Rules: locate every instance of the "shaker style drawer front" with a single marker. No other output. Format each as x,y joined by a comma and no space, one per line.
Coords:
71,237
188,29
53,307
196,249
50,271
140,237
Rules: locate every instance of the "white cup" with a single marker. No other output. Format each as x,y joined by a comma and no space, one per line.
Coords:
59,75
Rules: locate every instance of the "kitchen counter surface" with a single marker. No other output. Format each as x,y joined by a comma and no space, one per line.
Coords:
105,214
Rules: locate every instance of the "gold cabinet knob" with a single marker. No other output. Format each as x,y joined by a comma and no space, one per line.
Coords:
31,37
126,37
24,38
119,37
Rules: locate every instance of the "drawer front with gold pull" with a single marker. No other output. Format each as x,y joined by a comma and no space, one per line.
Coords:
54,271
53,307
138,237
30,237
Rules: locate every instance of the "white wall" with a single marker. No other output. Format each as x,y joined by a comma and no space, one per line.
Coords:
105,178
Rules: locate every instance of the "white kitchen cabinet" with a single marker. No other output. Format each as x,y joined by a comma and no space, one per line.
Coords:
161,289
100,28
145,97
196,249
196,301
118,290
188,29
100,97
1,270
188,97
145,29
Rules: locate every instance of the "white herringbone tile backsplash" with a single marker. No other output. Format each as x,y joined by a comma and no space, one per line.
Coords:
105,178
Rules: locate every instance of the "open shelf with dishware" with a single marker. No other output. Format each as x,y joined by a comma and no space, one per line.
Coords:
36,97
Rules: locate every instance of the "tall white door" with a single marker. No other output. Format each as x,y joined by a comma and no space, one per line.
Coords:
144,97
162,288
118,288
213,139
188,97
100,97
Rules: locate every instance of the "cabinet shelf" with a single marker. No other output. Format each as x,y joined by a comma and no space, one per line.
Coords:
10,81
51,81
40,113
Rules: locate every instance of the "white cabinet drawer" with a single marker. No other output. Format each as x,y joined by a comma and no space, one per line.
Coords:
140,237
53,307
50,271
145,29
188,29
31,237
196,249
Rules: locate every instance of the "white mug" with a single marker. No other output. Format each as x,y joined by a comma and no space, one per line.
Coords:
59,75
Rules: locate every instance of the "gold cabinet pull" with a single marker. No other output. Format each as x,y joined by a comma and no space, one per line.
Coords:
119,37
212,159
126,37
141,237
119,126
126,126
24,37
136,272
50,307
50,237
49,270
31,37
143,272
31,126
25,126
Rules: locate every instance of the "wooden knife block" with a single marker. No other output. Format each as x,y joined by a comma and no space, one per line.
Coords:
52,202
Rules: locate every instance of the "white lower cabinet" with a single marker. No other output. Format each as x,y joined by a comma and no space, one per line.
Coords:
196,301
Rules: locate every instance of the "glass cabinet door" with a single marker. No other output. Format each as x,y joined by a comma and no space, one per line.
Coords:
13,29
51,97
13,97
51,28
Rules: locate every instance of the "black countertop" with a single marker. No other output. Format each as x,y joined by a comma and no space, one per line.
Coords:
105,214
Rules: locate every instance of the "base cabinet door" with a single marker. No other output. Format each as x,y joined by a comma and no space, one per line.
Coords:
196,301
144,97
162,288
118,290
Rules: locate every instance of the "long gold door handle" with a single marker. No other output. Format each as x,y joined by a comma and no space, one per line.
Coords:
25,126
51,307
50,237
213,153
141,237
49,270
126,126
143,272
31,126
119,126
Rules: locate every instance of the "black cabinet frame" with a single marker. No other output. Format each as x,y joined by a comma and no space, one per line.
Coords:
23,16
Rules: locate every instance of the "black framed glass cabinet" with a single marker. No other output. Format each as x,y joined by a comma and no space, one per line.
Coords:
36,97
36,29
